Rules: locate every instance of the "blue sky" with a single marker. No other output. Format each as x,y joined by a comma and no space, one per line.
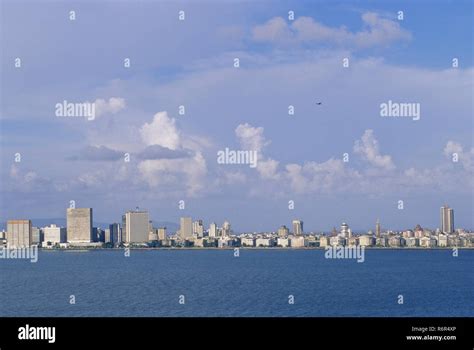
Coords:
282,63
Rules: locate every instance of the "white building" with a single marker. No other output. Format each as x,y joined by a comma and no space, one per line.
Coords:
283,242
337,241
213,230
247,242
54,235
366,240
297,241
264,242
324,241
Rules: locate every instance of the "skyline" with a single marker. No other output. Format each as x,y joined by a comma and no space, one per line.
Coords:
296,224
181,100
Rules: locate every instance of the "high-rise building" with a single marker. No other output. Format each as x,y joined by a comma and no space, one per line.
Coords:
377,229
447,219
226,228
283,231
79,225
297,227
161,233
115,233
19,233
136,226
54,234
213,230
198,228
37,235
345,230
186,227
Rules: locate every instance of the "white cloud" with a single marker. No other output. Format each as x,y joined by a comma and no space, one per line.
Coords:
268,169
368,148
112,106
251,138
466,158
377,31
161,131
188,174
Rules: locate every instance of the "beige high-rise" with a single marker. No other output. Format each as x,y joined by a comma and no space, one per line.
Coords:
79,225
19,233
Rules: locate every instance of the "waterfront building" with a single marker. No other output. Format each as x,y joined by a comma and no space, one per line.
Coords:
247,242
79,225
213,230
324,241
366,240
136,226
185,228
297,227
19,233
264,242
283,231
54,235
446,219
283,242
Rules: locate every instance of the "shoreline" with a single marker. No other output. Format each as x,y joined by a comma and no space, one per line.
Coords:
245,248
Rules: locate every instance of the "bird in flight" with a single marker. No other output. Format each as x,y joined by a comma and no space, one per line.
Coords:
319,103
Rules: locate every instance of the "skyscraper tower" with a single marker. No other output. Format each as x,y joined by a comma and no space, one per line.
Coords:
377,229
79,225
297,227
186,227
446,219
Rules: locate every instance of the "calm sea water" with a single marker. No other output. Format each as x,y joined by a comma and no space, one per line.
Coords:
258,283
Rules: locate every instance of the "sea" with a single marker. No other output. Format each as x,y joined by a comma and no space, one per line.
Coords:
257,282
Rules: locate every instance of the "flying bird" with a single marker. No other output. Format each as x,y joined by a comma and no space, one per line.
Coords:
319,103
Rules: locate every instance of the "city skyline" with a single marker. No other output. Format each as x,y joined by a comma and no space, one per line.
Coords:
192,224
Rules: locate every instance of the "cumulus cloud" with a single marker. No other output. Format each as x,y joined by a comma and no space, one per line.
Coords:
112,106
160,152
454,150
98,153
190,173
368,148
166,161
251,138
162,131
268,169
377,31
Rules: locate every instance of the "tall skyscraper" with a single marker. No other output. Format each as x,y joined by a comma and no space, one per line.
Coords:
186,227
37,235
115,233
447,219
79,225
161,233
19,233
345,230
198,228
377,229
297,227
136,226
213,230
226,228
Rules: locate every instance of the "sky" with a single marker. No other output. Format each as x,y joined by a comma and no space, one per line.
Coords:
340,161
